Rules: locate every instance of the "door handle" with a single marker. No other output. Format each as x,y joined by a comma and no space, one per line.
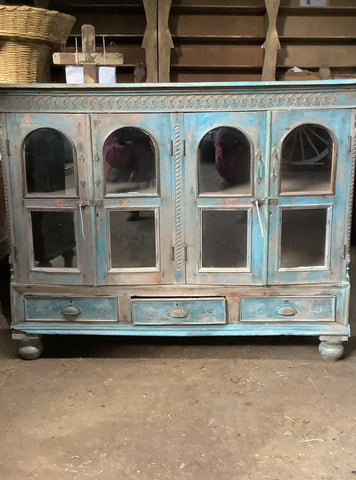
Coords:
275,165
260,167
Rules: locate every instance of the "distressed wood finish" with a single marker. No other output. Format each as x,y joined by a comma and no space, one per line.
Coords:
176,293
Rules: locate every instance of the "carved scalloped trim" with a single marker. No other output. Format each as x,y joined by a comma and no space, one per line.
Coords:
169,102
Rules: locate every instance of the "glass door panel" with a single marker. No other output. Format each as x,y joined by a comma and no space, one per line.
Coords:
225,189
130,162
52,194
224,162
133,239
132,177
49,163
303,237
224,239
53,239
307,191
307,159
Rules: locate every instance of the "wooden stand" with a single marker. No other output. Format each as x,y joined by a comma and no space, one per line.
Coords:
88,58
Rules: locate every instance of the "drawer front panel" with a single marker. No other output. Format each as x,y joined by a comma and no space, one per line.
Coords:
179,311
284,309
79,309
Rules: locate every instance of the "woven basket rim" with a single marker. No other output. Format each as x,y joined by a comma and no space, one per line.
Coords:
25,22
43,11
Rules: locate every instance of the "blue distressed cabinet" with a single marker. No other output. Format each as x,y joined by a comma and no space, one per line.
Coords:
180,209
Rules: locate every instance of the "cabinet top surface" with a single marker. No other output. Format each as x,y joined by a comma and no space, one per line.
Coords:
311,85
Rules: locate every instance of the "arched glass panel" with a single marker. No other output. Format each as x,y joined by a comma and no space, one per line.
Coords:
224,162
129,162
307,157
49,163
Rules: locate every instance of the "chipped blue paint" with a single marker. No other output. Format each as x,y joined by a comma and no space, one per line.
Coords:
85,309
288,309
178,311
176,116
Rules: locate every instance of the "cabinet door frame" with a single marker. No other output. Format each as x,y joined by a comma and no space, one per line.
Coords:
337,122
76,128
253,125
157,127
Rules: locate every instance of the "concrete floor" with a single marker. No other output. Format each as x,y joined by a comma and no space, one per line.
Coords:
114,408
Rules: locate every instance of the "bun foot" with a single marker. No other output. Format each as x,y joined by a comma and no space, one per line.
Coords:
331,350
31,347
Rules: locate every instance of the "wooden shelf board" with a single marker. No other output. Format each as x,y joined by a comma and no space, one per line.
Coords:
116,38
202,39
258,40
313,11
218,9
245,68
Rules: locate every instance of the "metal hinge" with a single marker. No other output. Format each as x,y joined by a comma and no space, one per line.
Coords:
171,148
184,149
7,147
15,254
349,144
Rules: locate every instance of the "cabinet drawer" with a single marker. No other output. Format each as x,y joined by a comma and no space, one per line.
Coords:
178,311
284,309
80,309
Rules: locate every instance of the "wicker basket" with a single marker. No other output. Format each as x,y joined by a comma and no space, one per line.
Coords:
27,37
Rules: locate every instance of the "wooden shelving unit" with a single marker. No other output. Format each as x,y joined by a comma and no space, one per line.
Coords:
221,40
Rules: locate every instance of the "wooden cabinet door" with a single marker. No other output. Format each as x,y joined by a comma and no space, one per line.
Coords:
51,186
133,198
309,193
225,213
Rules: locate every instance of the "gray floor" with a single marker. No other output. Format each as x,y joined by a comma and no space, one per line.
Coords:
112,409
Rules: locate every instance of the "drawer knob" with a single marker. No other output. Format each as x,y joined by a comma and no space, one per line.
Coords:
70,311
286,311
178,312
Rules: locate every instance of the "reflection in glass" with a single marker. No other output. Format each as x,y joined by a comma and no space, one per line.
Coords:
132,235
224,162
53,239
307,155
129,159
224,238
303,237
49,163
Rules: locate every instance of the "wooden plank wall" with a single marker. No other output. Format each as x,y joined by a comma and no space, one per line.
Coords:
220,40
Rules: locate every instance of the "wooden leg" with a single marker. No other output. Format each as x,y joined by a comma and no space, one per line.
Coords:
331,349
31,347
